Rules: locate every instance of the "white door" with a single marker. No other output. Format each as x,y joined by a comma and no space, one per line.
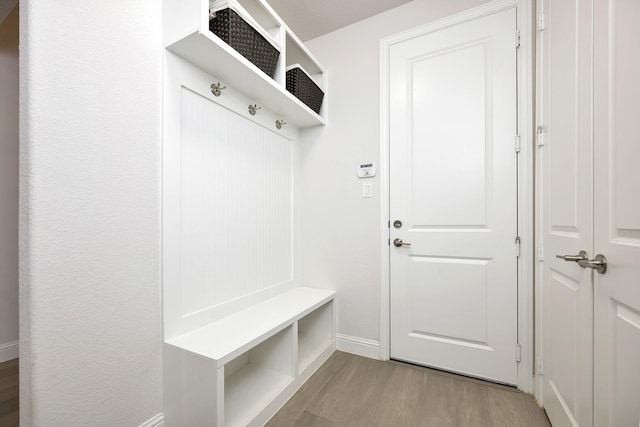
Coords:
617,212
453,183
591,153
567,205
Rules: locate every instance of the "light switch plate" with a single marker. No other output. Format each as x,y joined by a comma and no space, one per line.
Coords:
367,190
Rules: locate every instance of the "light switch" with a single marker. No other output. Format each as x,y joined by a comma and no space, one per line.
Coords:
367,190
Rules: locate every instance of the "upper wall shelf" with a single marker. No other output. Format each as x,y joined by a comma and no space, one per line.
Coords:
186,33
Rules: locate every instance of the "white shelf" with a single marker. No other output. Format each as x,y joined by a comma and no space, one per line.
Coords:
187,35
315,335
254,379
309,349
249,390
262,14
239,370
297,55
233,335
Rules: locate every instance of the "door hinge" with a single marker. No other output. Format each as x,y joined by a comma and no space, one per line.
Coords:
540,366
517,39
389,224
388,242
541,22
540,135
518,352
517,143
517,246
541,253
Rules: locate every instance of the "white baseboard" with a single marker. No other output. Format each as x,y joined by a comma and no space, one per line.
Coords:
360,346
157,421
8,351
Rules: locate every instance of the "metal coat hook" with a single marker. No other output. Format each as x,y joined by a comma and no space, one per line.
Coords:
253,108
217,88
280,123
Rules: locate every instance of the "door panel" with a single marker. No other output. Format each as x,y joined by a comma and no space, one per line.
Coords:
445,87
617,213
567,209
460,294
453,185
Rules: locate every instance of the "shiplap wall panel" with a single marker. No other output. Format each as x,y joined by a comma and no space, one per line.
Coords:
236,204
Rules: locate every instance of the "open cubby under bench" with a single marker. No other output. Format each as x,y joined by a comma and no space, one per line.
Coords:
242,368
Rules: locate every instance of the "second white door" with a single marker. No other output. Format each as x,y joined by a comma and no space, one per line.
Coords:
453,198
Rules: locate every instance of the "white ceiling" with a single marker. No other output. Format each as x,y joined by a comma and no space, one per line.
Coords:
307,18
312,18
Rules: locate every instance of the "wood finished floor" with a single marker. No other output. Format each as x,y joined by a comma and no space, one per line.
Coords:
349,390
9,415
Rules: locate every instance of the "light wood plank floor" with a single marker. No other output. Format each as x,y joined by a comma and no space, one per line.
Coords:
349,390
9,415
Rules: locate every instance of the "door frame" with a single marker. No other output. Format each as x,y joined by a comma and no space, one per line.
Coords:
526,264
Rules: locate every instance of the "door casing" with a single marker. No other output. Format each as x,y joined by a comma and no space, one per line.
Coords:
525,177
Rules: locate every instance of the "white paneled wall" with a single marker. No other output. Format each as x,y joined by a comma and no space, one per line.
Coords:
236,205
230,201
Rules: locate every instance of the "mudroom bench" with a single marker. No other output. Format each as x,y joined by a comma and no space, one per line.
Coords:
242,368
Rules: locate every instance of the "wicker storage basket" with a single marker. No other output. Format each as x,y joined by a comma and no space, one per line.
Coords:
304,88
246,40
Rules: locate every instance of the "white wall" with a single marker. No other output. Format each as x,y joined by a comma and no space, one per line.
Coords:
90,323
9,186
340,229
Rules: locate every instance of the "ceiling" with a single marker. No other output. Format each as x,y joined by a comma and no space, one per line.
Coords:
312,18
308,18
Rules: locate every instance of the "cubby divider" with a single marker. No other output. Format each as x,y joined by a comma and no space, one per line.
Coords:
256,377
315,334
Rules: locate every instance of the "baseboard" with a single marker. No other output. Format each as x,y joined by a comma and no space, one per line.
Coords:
360,346
157,421
8,351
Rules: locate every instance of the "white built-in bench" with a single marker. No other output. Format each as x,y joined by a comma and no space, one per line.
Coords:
242,368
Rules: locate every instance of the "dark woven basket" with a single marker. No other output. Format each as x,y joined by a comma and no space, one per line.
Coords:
305,89
245,39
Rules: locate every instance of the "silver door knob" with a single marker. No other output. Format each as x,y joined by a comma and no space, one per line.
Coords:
582,255
398,242
599,263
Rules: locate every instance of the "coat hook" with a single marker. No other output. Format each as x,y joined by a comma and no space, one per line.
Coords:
280,123
253,108
217,88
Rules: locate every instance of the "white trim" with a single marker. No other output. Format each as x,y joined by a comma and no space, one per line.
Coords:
467,15
360,346
9,351
526,196
385,279
157,421
539,204
525,183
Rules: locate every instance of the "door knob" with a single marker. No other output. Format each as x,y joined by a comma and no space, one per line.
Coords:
582,255
398,242
599,263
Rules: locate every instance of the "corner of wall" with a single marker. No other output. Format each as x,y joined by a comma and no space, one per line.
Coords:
9,173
